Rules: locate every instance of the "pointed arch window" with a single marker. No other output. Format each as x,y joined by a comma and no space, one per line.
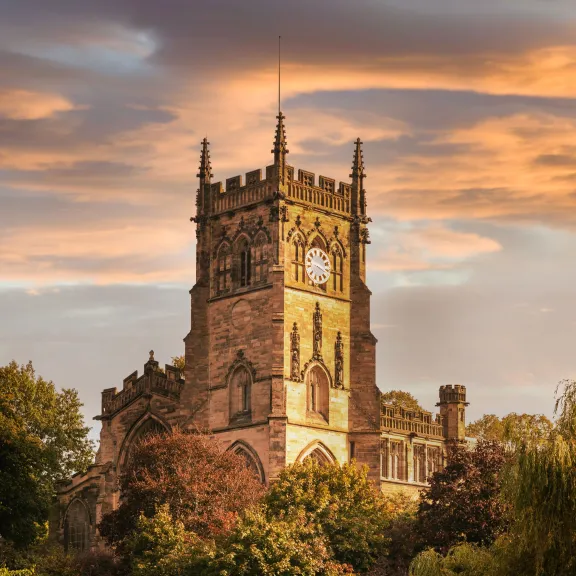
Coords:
223,269
244,263
318,393
240,392
260,258
77,527
298,260
337,270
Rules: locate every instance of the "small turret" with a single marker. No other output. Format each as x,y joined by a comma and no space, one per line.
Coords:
453,411
358,174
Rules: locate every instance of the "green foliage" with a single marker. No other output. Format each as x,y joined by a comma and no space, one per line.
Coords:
161,546
401,398
463,501
179,362
512,429
541,487
341,501
463,560
42,440
285,546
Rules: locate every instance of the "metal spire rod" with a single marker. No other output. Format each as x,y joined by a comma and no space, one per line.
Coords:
279,38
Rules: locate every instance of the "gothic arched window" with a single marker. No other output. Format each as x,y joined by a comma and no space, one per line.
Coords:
250,458
337,268
261,258
240,392
244,263
77,527
223,269
298,259
147,428
318,392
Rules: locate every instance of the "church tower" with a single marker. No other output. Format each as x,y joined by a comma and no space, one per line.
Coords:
280,361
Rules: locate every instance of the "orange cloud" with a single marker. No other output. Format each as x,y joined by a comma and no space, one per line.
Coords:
431,248
26,105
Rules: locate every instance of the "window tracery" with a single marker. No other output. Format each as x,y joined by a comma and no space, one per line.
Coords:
223,269
77,527
244,263
260,258
298,260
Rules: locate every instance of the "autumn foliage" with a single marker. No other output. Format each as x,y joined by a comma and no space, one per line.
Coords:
204,487
463,501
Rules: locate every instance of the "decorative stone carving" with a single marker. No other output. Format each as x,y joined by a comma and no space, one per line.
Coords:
317,331
295,353
339,362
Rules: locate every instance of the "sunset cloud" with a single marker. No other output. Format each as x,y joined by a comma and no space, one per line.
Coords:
467,112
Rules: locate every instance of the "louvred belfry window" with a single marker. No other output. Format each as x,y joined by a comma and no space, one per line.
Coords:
298,257
337,268
224,265
260,258
244,263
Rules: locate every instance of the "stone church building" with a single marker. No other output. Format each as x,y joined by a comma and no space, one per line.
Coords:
279,360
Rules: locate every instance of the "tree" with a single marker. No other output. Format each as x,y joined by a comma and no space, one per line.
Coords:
341,501
511,429
204,487
463,560
279,546
462,502
42,440
161,546
402,399
541,489
179,362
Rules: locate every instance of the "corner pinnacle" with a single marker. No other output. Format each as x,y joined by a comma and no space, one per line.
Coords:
280,150
205,170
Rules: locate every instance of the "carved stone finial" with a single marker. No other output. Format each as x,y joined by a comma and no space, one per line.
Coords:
295,353
205,170
339,362
358,162
280,150
317,333
151,359
317,222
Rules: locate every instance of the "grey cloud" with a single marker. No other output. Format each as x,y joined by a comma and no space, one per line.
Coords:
556,160
90,338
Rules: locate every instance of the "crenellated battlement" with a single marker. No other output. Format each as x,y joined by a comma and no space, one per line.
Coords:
421,422
238,192
450,394
167,383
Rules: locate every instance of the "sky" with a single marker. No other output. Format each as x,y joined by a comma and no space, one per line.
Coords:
467,111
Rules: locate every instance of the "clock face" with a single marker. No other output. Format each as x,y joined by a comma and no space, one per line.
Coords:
317,266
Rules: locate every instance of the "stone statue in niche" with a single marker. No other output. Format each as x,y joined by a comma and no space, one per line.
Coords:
339,362
317,334
295,353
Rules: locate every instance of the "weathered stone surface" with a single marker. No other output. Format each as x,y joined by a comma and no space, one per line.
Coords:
248,380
